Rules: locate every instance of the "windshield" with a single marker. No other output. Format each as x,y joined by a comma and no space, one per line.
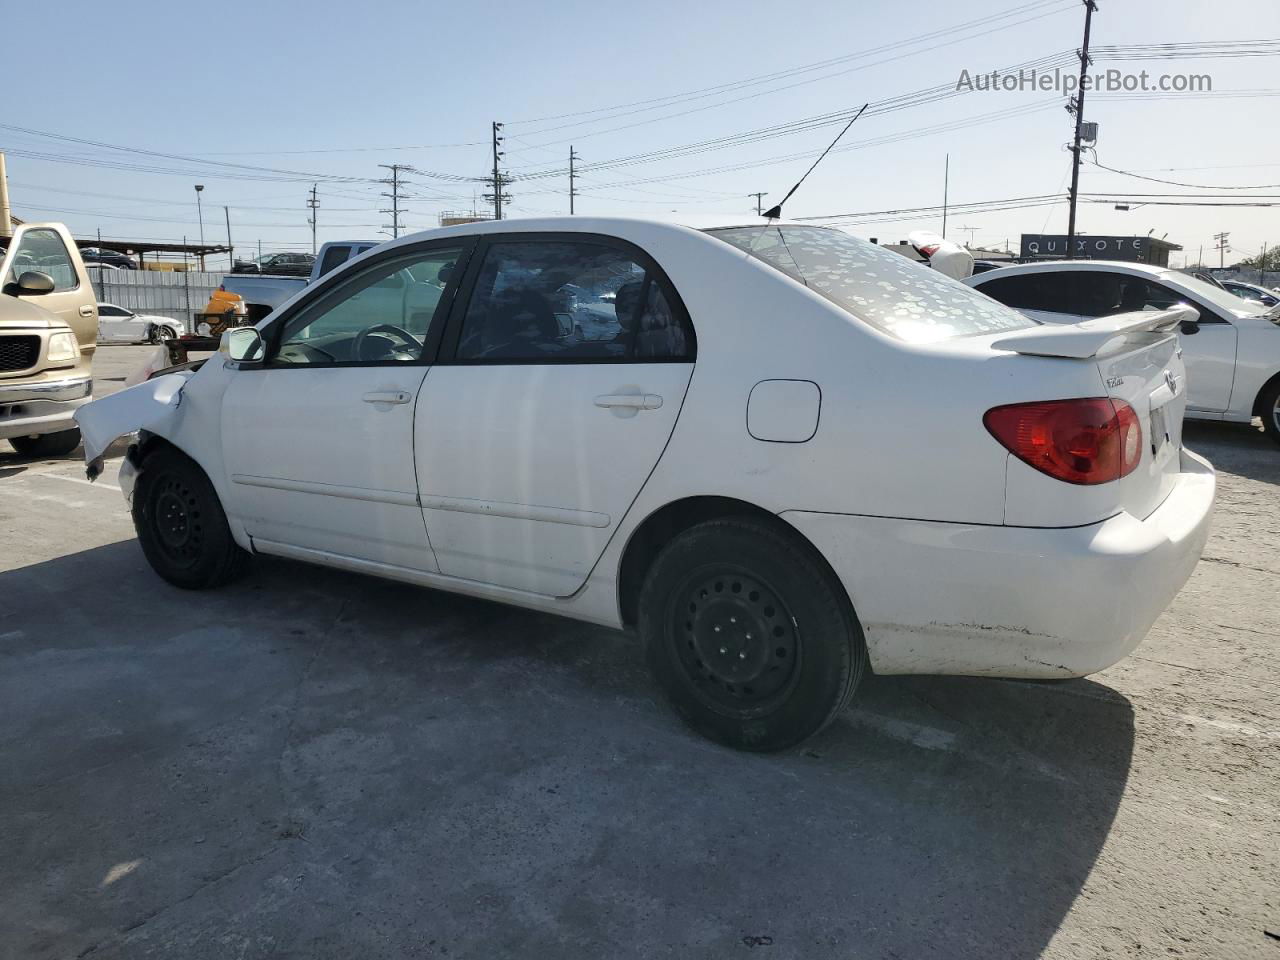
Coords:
893,294
1214,296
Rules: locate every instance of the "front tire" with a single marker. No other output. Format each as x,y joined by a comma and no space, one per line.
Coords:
48,444
160,334
1270,410
749,635
181,525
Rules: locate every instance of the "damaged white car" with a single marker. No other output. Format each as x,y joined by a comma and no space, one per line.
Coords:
789,456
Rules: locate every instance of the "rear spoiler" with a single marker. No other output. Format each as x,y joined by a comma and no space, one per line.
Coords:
1086,339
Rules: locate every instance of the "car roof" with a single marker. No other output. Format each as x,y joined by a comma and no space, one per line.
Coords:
1061,266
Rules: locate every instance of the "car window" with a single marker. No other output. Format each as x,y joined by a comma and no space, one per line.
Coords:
1050,291
44,252
333,257
382,315
878,286
109,311
550,301
1113,293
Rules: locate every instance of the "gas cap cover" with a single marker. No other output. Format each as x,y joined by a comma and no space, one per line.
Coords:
784,411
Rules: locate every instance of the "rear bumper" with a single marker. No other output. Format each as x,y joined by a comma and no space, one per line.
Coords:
31,409
1015,601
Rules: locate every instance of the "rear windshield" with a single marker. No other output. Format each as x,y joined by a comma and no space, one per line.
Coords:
902,298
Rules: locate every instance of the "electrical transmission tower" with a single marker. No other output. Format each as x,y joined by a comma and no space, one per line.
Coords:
395,181
498,180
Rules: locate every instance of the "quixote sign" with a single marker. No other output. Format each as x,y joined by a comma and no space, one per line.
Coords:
1137,249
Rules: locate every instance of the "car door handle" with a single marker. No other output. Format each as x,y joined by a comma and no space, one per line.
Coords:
388,396
630,401
86,310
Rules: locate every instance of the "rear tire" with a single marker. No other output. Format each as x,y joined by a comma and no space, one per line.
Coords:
1270,410
181,525
48,444
749,635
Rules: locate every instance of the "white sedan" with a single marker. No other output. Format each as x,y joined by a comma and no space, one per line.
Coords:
791,456
121,325
1231,346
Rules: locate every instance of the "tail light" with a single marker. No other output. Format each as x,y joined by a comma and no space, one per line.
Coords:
1086,441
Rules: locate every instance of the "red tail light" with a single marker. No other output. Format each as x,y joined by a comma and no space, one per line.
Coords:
1087,441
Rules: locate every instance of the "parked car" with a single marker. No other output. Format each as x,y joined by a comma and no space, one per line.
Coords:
798,455
1231,349
1251,291
278,265
262,294
121,325
48,328
93,256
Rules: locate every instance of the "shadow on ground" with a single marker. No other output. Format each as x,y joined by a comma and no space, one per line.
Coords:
315,764
1241,448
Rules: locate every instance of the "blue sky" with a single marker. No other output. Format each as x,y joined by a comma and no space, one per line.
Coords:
331,90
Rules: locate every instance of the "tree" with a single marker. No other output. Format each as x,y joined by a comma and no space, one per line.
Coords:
1272,264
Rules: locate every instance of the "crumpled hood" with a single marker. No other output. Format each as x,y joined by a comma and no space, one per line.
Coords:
16,313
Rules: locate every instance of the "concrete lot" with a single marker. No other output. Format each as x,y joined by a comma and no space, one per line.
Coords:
314,764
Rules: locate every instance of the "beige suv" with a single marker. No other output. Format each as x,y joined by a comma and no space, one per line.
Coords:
48,328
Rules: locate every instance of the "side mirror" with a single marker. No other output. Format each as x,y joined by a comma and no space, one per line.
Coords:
1190,327
242,344
33,283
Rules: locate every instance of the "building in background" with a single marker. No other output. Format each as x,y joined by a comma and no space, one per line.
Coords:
1053,246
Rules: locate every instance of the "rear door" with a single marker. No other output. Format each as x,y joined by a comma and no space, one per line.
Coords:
533,433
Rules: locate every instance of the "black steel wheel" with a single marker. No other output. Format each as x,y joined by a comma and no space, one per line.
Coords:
749,635
181,526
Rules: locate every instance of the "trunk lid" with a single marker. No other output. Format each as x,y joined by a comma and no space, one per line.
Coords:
1140,363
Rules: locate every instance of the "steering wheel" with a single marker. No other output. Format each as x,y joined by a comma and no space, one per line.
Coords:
357,345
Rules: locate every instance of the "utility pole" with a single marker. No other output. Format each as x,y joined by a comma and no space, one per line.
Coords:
759,198
1262,266
396,182
946,188
1220,244
971,231
499,179
572,192
6,214
313,203
231,251
1077,107
200,213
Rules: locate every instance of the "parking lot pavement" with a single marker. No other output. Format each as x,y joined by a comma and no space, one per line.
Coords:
315,764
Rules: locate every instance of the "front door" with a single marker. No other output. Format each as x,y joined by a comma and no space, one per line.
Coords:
318,440
45,248
555,397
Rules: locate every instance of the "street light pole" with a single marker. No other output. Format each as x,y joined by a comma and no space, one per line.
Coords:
200,214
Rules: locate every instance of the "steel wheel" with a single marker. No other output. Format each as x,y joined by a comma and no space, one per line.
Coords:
178,523
736,640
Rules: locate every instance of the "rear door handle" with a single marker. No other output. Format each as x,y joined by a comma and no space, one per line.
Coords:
86,310
631,401
388,396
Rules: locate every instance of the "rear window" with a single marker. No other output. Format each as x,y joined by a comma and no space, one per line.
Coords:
893,294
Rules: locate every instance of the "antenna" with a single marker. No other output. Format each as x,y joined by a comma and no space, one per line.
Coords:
773,213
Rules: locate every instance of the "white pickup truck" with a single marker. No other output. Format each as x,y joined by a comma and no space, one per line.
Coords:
262,293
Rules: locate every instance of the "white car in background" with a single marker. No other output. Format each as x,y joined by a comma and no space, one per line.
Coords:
121,325
1251,291
793,454
1231,347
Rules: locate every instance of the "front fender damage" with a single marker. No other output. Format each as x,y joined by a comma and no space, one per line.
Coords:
145,407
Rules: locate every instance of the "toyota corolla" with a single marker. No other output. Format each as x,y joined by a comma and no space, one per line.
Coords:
780,454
